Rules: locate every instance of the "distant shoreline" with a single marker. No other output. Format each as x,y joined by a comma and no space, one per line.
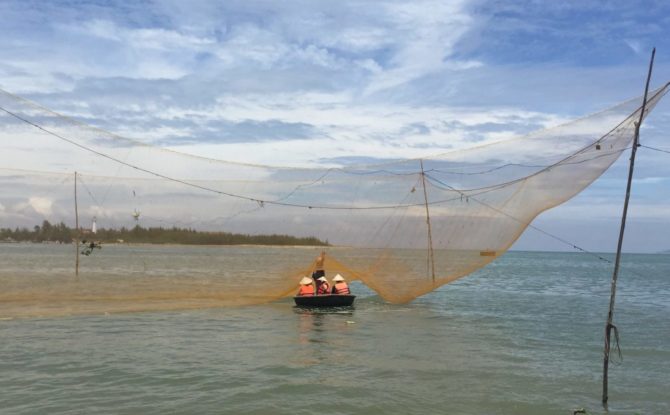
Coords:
166,244
61,233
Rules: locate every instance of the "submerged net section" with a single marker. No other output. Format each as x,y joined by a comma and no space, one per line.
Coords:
402,227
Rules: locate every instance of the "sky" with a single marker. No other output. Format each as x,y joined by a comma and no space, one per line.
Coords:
295,82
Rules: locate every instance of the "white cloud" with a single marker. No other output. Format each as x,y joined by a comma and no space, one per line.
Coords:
634,45
31,210
158,39
426,34
651,180
41,205
250,43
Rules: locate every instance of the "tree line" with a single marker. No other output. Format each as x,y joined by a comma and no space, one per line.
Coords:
62,233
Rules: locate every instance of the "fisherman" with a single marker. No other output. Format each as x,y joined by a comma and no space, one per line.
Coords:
322,288
340,285
319,270
306,287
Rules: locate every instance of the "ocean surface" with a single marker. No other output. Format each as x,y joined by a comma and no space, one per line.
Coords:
524,335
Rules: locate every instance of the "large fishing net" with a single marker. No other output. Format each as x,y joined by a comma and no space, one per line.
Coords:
402,227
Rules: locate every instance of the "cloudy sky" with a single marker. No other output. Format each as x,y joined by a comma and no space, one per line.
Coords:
300,82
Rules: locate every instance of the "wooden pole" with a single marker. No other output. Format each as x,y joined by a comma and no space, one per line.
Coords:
76,231
615,274
431,255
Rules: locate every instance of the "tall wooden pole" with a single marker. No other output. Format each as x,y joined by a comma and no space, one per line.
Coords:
431,256
615,274
76,230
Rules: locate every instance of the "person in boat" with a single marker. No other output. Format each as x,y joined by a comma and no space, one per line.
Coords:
319,270
340,286
322,287
306,287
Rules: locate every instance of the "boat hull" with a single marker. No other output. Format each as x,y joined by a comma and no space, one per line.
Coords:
329,300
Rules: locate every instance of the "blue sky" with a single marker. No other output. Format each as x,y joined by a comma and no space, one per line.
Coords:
270,81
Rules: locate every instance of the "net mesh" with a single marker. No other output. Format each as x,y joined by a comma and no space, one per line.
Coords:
402,227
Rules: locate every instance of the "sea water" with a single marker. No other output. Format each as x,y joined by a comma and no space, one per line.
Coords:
524,335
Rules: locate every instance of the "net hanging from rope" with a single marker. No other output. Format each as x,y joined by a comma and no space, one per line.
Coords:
403,227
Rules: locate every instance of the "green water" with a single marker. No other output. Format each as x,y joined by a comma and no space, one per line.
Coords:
522,336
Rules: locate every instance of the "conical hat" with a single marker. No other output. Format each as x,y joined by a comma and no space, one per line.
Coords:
338,278
305,281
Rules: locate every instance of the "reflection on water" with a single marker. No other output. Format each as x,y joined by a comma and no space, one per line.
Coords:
320,331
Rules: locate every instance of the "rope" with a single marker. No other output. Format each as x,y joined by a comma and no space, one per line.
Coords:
618,346
81,180
655,149
538,166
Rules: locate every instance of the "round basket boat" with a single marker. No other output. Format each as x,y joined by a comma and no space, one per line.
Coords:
328,300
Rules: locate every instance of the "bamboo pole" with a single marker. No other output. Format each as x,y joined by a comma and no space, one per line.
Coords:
431,255
615,274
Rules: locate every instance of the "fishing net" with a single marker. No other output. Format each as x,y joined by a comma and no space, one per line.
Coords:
402,227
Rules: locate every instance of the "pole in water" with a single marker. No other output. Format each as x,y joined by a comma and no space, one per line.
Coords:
615,274
76,230
430,235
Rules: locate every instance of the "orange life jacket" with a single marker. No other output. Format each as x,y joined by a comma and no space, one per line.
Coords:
341,288
306,290
324,288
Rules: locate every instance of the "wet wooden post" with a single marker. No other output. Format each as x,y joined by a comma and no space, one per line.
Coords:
76,231
430,233
615,274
